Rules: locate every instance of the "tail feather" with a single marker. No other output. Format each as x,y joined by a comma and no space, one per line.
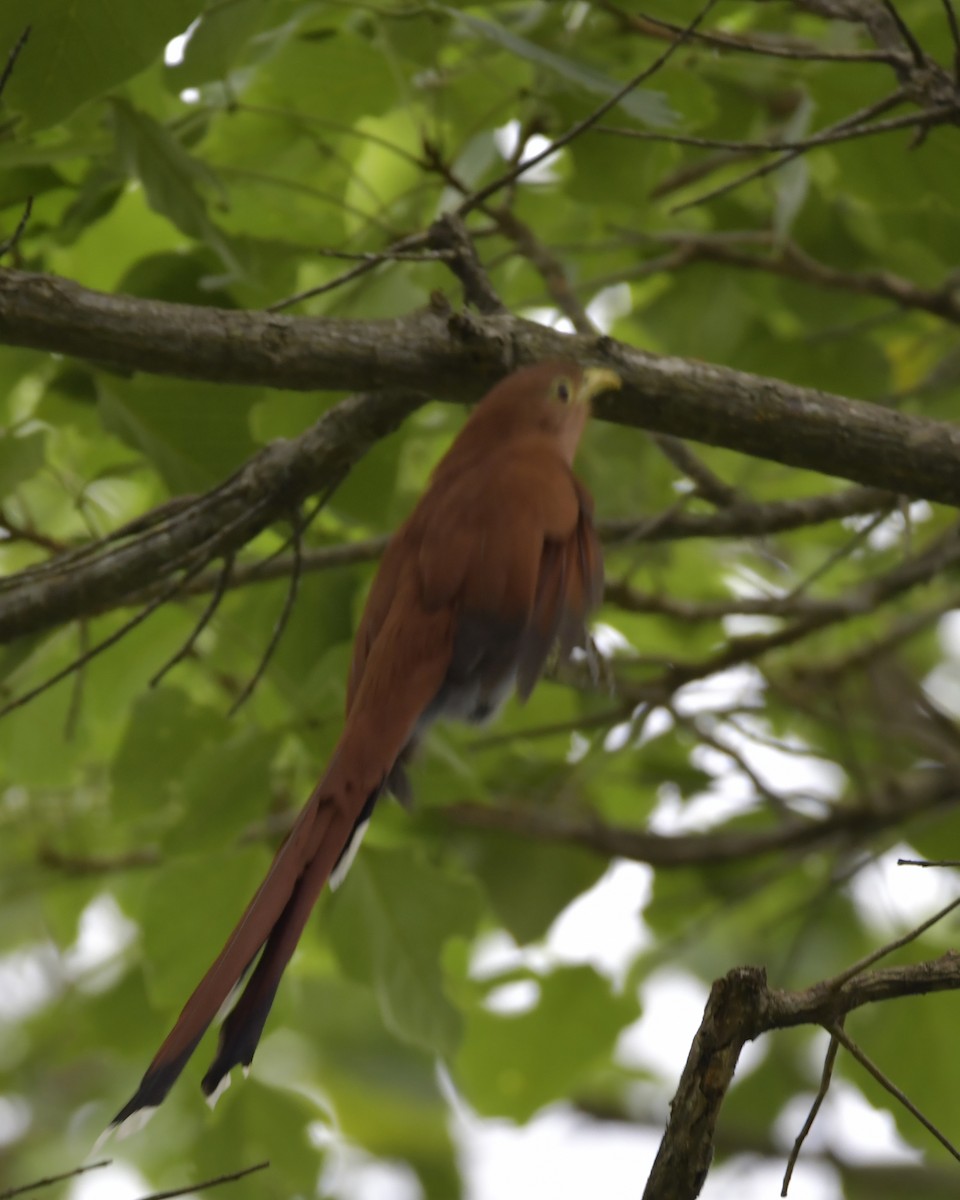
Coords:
240,1032
408,657
251,933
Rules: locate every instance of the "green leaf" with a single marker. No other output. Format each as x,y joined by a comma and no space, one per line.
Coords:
78,51
225,787
194,436
530,884
172,178
216,41
189,908
389,924
21,457
166,728
22,182
641,103
513,1065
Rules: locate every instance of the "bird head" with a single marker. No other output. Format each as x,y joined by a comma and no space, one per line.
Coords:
551,397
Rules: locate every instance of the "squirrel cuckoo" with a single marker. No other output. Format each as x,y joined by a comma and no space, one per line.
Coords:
496,564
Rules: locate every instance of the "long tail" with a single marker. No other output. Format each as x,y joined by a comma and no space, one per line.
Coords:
407,663
272,922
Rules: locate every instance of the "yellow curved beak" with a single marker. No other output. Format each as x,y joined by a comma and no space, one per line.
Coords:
595,381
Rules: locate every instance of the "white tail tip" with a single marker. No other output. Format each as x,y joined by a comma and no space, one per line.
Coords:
218,1091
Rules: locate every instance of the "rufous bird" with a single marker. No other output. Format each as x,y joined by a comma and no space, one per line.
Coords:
497,563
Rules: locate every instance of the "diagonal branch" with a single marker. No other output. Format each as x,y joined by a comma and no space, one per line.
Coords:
220,522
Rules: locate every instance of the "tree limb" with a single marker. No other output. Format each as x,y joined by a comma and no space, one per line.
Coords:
442,353
844,825
218,523
742,1007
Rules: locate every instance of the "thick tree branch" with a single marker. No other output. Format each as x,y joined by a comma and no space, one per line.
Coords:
454,356
741,1008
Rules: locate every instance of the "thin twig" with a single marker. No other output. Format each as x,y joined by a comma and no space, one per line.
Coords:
825,1076
223,581
928,862
278,565
412,241
906,33
13,56
17,532
766,48
50,1180
96,864
376,258
579,127
837,982
208,1183
12,241
955,37
843,552
76,695
835,1030
707,483
111,640
825,137
282,620
789,260
448,235
859,124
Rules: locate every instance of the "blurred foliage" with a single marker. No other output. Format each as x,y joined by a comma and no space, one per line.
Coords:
222,168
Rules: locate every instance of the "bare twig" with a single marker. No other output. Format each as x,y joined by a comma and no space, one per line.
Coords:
928,862
219,591
788,259
836,1031
875,956
204,1184
13,56
767,47
749,518
955,37
707,482
76,695
826,137
859,124
50,1180
78,663
96,864
288,605
449,235
13,240
826,1075
919,58
17,531
402,246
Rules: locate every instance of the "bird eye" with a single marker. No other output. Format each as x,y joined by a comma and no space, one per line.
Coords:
561,390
